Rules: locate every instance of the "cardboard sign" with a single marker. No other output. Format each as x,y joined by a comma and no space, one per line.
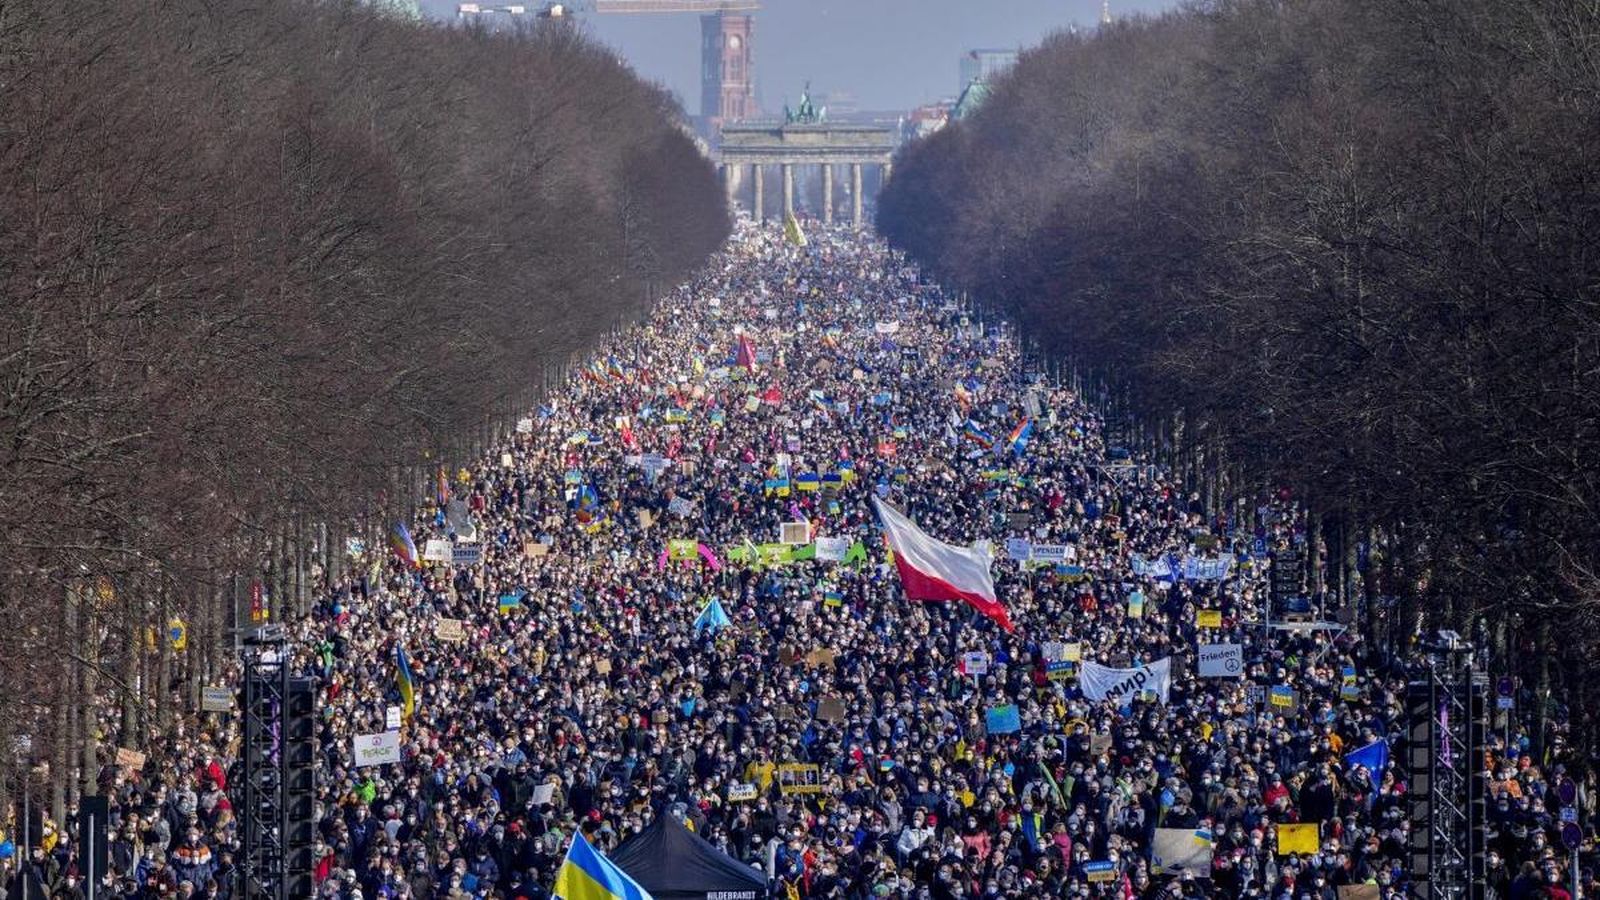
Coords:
830,709
822,656
129,759
1208,618
216,699
1221,661
799,778
453,630
603,667
741,790
376,749
1073,652
535,548
645,517
1099,743
794,533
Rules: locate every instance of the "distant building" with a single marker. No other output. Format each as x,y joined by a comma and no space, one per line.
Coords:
926,119
970,99
984,65
727,82
493,17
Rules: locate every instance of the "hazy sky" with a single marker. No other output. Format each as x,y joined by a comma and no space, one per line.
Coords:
892,54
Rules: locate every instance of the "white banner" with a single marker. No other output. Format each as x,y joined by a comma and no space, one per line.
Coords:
1103,682
436,550
832,549
376,749
1221,661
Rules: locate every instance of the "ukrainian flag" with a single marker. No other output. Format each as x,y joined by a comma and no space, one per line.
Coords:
405,682
586,875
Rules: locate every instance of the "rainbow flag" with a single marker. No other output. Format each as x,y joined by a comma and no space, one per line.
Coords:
402,545
1018,439
587,875
406,683
614,369
972,431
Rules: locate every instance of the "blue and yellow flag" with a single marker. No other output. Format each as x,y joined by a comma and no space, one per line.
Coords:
406,683
587,875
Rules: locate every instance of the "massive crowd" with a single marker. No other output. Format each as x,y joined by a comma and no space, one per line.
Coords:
590,690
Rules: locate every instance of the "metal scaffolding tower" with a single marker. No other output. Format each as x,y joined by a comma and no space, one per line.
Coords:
1446,709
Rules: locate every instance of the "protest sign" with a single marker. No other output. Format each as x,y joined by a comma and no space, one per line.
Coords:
830,709
794,533
216,699
1181,850
130,759
453,630
975,662
1099,871
799,778
832,549
741,790
1298,838
1002,719
436,550
1208,618
376,749
1221,661
1018,549
1049,553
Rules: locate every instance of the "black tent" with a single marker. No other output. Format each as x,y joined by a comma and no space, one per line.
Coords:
674,863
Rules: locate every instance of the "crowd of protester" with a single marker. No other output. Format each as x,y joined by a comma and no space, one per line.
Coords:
590,691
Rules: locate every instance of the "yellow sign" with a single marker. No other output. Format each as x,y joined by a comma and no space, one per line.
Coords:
1301,838
1208,618
799,778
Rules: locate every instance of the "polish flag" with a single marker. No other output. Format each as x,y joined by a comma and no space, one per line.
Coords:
930,569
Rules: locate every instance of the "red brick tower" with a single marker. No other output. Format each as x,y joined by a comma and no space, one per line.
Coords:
727,77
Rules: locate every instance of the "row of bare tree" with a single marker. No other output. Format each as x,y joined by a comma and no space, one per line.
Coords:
265,266
1341,246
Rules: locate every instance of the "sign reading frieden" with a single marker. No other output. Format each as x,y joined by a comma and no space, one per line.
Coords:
1221,661
376,749
1104,682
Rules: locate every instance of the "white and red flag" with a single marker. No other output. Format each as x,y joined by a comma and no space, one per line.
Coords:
931,569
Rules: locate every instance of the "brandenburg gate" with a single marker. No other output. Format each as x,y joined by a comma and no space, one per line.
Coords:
804,141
